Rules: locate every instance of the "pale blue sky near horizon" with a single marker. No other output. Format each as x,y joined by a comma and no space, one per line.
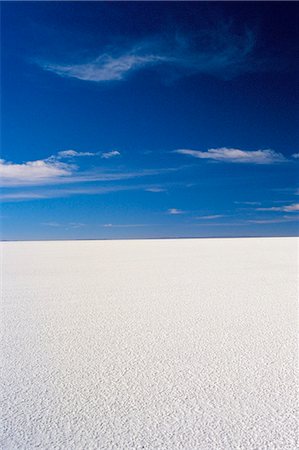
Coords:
149,119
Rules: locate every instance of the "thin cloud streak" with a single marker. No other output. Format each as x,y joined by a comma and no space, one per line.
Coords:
71,154
65,154
285,208
126,225
211,217
219,224
64,225
53,171
234,155
175,211
269,221
248,203
155,189
112,154
249,221
67,192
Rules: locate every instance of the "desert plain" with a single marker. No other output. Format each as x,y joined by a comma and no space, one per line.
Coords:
149,344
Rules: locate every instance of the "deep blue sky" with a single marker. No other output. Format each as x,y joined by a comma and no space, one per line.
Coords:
149,119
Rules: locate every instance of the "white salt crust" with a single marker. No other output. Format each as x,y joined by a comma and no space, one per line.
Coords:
149,344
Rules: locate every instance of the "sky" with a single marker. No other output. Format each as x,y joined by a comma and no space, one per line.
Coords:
149,119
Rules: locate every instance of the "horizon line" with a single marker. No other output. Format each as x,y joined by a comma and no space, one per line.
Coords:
151,238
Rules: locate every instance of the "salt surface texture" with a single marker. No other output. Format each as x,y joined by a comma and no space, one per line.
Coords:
158,344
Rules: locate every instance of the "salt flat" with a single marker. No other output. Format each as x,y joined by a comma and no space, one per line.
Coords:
149,344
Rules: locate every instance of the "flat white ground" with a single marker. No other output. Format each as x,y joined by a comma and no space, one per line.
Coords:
157,344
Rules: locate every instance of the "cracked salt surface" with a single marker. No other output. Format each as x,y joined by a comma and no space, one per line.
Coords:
158,344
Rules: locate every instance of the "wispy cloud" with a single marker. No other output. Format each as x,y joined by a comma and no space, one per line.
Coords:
211,217
51,224
24,196
220,224
125,225
105,67
64,225
155,189
40,193
72,154
243,222
219,51
294,207
53,170
65,154
234,155
248,203
275,220
108,155
175,211
295,155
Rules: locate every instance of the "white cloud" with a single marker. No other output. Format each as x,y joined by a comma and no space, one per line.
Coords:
34,172
65,225
52,170
126,225
65,154
41,192
73,154
295,155
285,208
247,203
278,220
211,217
155,189
23,196
112,154
219,224
235,155
218,51
104,68
175,211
